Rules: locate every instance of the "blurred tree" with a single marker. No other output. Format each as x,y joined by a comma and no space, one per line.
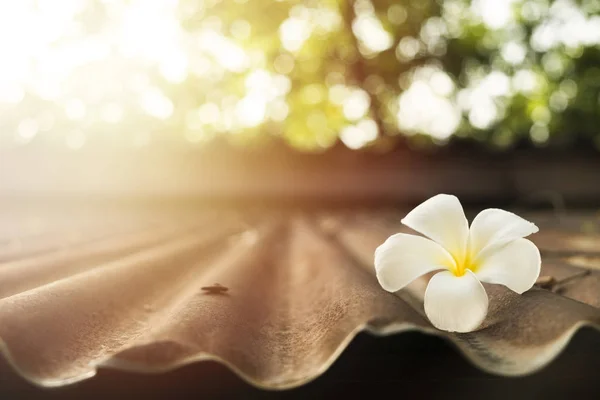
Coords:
367,72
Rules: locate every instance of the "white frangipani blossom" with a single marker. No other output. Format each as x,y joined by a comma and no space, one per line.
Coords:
492,250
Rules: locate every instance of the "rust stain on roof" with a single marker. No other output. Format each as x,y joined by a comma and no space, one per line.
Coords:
142,291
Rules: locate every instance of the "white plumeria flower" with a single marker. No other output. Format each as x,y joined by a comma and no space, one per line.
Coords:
492,250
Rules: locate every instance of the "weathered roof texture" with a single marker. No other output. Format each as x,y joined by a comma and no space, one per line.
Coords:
138,290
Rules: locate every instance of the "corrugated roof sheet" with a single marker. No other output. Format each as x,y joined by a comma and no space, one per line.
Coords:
82,288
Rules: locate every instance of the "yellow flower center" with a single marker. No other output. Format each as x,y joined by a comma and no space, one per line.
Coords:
462,264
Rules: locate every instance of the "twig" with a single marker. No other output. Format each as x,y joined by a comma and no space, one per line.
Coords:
551,283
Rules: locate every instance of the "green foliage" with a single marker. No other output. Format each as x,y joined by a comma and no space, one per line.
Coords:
552,93
368,72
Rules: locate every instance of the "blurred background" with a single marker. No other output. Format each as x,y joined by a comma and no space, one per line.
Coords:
368,103
225,98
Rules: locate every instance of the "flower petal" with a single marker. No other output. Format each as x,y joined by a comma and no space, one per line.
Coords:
402,258
442,219
493,228
455,303
516,266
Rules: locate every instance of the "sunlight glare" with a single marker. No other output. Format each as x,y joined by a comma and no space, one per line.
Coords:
27,130
495,14
371,33
359,135
224,50
251,110
422,110
293,32
356,104
156,104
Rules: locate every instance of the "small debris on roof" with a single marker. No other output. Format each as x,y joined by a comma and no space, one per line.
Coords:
551,283
545,282
215,289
